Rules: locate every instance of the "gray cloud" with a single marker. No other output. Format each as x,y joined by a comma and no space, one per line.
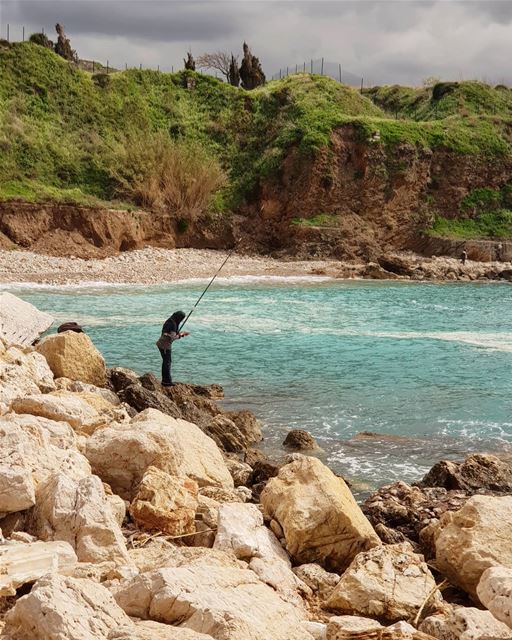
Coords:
385,41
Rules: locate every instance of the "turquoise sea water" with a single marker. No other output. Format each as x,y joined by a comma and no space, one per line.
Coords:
427,366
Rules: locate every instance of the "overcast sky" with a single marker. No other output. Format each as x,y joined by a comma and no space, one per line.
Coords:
385,41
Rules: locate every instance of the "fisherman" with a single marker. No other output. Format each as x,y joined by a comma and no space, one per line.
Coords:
464,256
170,333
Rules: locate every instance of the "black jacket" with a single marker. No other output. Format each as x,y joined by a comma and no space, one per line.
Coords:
170,331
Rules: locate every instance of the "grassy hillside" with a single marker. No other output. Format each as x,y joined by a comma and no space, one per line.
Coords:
64,133
443,100
61,128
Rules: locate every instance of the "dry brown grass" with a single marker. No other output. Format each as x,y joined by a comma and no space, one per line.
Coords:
160,174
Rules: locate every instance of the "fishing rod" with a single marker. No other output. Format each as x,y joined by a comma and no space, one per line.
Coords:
208,286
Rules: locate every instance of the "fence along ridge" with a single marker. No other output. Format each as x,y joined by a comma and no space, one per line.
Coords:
322,67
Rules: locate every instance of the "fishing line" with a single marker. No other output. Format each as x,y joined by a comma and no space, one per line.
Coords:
207,287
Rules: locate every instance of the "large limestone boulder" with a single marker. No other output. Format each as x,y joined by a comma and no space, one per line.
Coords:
20,322
26,562
227,603
465,623
80,513
71,408
469,541
495,593
165,503
241,530
31,461
23,372
67,608
74,356
121,454
389,582
60,433
318,515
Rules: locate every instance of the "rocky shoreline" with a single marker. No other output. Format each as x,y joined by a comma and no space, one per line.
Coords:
129,512
151,266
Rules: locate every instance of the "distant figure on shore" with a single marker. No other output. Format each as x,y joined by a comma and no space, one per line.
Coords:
464,256
499,252
170,333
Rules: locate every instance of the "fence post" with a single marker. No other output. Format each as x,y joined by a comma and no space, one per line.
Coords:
7,32
322,72
279,74
107,66
42,31
140,66
287,74
23,34
311,65
93,66
340,72
296,68
304,66
362,85
158,69
172,69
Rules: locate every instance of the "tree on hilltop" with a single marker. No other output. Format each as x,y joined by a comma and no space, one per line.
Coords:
251,72
219,61
234,72
63,45
190,63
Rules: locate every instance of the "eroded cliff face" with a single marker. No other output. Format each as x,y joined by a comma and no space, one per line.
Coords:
369,198
70,230
374,198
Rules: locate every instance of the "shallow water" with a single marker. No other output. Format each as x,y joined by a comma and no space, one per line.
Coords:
428,362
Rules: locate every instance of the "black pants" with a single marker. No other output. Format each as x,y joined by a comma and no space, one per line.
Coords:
166,367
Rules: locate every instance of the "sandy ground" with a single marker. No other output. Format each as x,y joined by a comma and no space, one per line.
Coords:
153,266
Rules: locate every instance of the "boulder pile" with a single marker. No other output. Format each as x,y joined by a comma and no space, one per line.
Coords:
131,513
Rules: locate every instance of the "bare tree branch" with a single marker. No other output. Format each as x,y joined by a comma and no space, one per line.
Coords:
220,61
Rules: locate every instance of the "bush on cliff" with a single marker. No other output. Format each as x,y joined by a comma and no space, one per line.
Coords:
160,174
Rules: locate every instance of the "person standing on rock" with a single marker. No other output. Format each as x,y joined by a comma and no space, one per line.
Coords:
170,333
464,256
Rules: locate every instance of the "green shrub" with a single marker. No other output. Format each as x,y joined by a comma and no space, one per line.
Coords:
41,39
481,201
495,224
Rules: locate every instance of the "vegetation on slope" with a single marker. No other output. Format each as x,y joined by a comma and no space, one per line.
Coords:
70,136
490,214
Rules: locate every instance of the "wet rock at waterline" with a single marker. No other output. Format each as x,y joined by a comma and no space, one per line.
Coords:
477,472
300,440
